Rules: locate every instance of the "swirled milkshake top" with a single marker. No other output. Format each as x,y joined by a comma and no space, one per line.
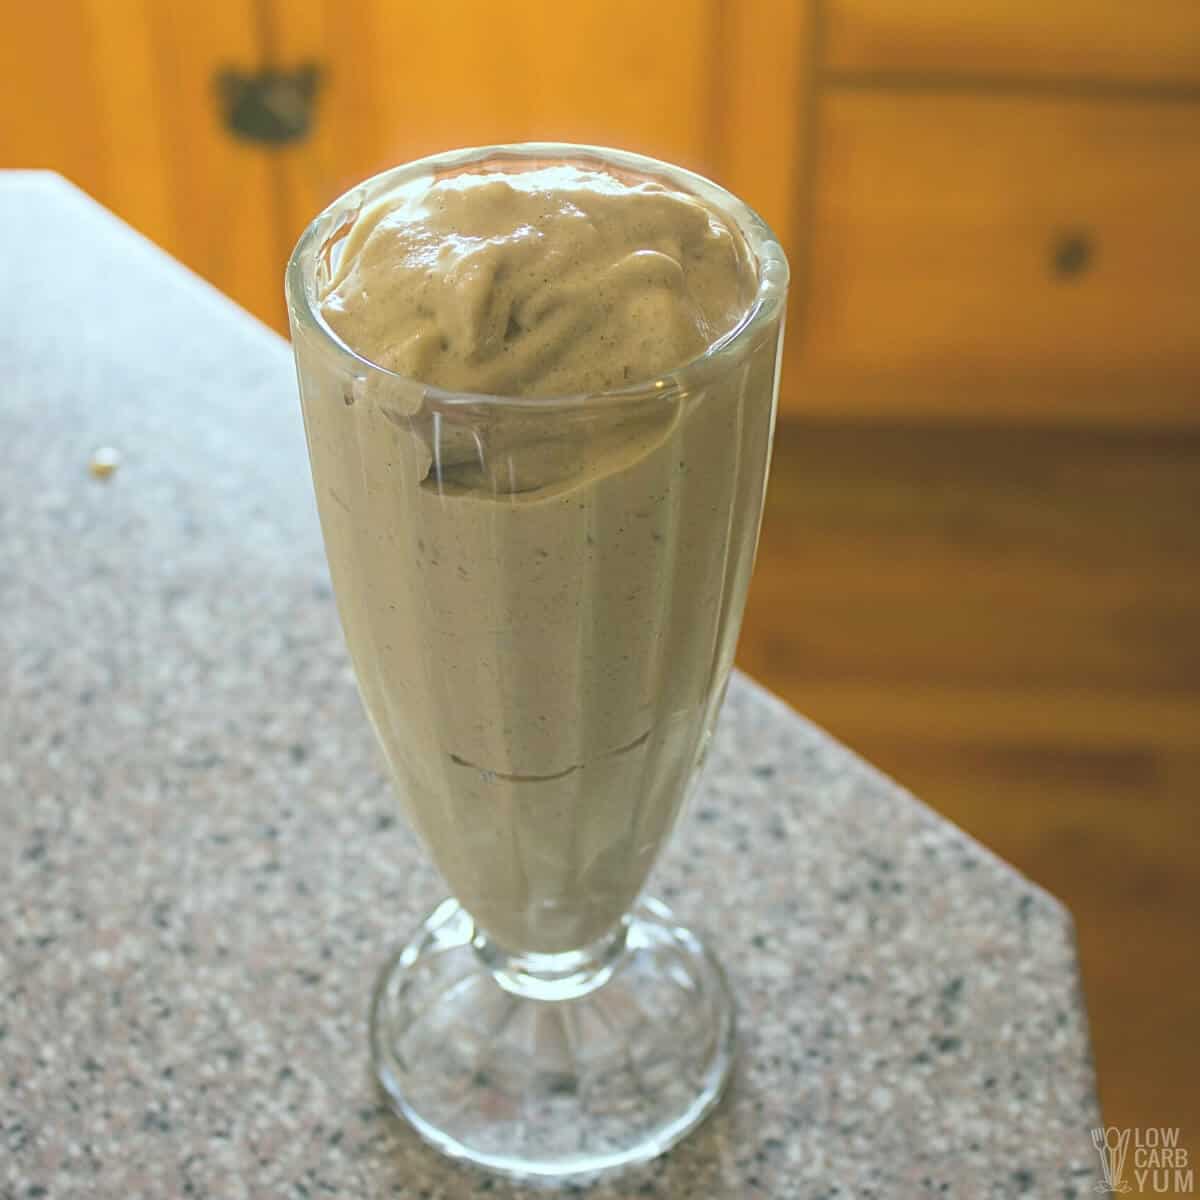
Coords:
552,281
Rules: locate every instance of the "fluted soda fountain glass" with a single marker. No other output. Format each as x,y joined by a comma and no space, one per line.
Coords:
541,597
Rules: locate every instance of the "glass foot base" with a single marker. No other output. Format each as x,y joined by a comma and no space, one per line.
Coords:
553,1087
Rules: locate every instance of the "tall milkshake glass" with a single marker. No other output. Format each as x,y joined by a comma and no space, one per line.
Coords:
541,597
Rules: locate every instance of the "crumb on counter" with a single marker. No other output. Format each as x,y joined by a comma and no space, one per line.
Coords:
104,462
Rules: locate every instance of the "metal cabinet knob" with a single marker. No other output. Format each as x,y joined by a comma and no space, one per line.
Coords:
272,106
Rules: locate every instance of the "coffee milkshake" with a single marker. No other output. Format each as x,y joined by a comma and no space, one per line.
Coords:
541,593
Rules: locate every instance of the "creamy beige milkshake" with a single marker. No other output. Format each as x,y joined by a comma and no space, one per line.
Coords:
541,595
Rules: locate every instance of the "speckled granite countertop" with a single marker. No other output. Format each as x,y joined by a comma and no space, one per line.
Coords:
202,869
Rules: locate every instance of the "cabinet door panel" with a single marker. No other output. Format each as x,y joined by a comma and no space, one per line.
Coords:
48,92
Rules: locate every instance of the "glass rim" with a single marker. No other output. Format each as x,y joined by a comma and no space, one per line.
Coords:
764,248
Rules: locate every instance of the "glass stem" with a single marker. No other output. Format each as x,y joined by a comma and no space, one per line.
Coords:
563,976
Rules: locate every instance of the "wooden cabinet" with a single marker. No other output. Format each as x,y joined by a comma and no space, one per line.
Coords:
989,207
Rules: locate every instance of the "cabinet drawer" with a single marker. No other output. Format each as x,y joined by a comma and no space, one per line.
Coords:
1097,40
1000,257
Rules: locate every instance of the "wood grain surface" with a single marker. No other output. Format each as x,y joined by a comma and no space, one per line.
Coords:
1003,258
1102,41
121,97
1006,622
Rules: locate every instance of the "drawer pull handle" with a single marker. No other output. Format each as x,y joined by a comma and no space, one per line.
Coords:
271,106
1071,254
